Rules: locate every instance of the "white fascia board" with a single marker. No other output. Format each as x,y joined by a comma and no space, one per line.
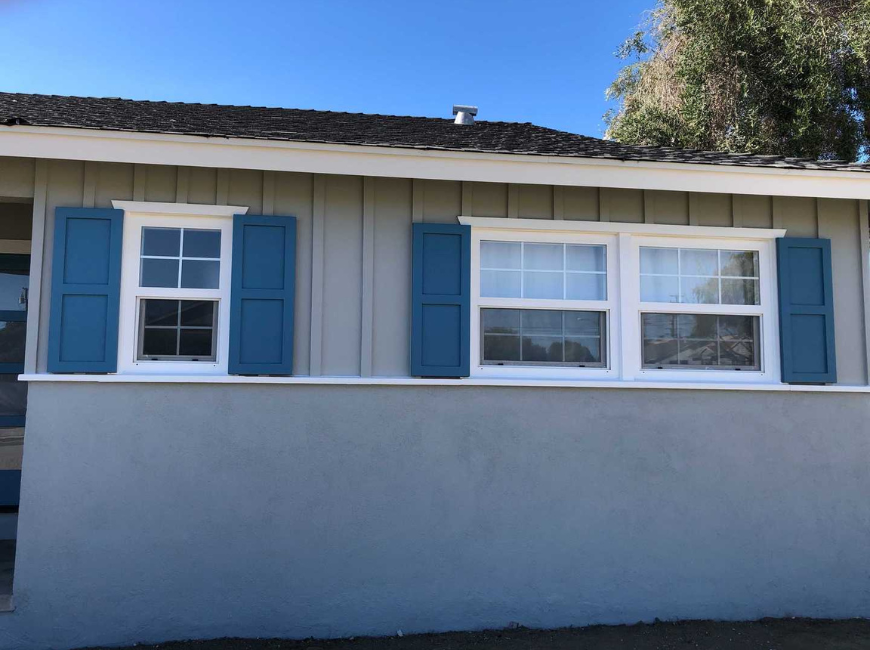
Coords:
657,230
238,153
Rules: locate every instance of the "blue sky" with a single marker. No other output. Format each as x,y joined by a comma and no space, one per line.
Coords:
545,62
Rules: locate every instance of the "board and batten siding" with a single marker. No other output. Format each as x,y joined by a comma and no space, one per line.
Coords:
353,275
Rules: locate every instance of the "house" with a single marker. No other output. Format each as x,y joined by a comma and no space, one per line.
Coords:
299,373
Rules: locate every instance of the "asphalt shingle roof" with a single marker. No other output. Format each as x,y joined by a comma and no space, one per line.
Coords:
290,124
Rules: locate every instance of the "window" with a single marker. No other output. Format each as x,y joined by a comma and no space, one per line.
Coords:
623,301
175,288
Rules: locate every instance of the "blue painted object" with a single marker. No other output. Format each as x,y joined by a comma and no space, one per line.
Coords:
85,290
806,311
263,291
10,488
441,311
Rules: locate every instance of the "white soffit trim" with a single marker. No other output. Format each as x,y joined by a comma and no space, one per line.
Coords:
544,225
182,209
360,160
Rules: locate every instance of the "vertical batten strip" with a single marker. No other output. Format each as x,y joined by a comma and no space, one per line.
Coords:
558,202
268,193
139,182
467,199
776,208
864,236
368,277
603,204
693,209
222,192
417,201
737,210
89,193
182,184
818,218
37,254
649,207
318,215
513,206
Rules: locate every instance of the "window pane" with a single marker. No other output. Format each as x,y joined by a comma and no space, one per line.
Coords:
159,342
739,292
161,313
586,258
739,263
501,321
543,257
699,291
582,323
500,255
196,343
501,348
582,350
197,274
165,242
700,340
13,396
12,285
545,349
159,273
539,321
500,284
198,313
699,262
542,284
586,286
659,260
202,243
12,336
656,288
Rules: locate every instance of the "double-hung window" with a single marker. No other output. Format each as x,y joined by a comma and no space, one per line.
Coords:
175,288
631,302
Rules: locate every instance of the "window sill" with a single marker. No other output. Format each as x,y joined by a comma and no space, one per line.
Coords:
412,381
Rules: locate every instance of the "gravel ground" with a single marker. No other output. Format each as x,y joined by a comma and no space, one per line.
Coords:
766,634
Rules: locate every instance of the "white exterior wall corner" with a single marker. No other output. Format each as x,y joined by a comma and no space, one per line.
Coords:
173,512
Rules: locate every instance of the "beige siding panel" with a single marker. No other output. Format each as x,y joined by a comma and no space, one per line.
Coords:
581,203
16,178
392,277
160,183
713,210
442,201
535,201
669,208
246,189
755,211
838,221
65,190
624,206
202,186
489,200
342,275
799,216
293,198
114,182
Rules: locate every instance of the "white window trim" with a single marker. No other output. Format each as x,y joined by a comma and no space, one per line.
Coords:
623,304
171,215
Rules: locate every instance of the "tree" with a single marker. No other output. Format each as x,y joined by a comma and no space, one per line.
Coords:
785,77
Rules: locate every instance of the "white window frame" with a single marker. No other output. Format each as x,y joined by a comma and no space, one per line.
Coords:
139,215
623,306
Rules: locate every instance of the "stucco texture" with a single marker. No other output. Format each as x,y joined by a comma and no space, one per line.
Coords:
153,512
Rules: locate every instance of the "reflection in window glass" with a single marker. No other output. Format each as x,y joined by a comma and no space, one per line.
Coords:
12,337
13,396
699,276
700,341
542,337
543,271
180,257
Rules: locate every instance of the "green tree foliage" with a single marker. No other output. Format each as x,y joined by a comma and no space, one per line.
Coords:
786,77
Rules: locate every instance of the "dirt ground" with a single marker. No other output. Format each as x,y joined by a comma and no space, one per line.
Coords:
766,634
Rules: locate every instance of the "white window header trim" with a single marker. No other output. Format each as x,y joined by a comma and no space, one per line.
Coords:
179,209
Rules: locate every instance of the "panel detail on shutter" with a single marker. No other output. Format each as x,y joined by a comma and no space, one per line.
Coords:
441,311
85,290
262,295
806,311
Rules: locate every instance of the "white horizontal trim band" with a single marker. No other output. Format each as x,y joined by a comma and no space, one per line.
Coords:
179,209
411,381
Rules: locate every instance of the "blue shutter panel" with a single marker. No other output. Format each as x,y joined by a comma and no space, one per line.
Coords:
441,310
806,311
261,302
85,290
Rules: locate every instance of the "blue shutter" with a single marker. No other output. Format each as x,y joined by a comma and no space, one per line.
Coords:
441,310
261,311
806,311
85,290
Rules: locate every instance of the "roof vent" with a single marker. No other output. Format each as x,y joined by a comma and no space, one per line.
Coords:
464,114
